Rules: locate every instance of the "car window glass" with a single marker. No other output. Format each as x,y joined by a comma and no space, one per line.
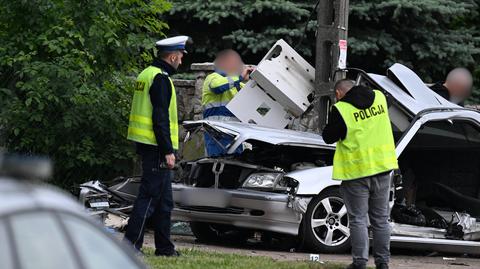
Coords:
447,134
194,147
40,242
5,253
97,250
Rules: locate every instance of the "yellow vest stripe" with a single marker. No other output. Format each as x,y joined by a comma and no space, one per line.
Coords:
141,132
141,119
214,80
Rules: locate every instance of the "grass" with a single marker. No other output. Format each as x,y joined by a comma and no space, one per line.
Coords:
213,260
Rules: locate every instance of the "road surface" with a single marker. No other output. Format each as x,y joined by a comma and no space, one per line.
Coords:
400,259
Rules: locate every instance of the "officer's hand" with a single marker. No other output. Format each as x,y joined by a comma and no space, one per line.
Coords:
246,73
170,159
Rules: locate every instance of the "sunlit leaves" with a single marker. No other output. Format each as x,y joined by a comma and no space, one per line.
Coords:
66,70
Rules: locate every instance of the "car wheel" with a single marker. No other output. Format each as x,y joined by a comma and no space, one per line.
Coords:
325,226
210,232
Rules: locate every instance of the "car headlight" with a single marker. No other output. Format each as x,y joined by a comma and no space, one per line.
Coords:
270,181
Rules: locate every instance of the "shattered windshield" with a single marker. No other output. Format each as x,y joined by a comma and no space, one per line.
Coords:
205,137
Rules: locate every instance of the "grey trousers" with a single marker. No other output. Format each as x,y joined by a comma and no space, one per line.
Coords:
364,198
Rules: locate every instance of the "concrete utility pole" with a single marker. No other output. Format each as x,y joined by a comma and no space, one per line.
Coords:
330,52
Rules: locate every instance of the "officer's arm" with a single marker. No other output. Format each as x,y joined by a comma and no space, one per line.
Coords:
222,84
440,90
336,128
160,94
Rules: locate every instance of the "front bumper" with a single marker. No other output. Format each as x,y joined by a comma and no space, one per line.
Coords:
241,208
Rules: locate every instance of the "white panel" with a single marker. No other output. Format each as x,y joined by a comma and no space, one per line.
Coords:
287,77
253,105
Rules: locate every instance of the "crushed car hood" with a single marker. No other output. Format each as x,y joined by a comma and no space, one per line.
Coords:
408,89
244,132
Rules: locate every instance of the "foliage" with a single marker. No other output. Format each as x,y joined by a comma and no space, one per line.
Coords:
191,259
431,36
428,35
66,70
250,26
475,21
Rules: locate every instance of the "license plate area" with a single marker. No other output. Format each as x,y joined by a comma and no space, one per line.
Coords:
205,197
98,201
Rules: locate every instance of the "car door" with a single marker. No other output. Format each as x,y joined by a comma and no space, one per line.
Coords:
449,116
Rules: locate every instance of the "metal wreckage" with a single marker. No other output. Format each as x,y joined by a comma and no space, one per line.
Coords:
279,181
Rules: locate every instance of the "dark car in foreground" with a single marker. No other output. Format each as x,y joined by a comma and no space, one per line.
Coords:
42,227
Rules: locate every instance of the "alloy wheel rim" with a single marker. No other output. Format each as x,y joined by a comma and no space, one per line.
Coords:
329,222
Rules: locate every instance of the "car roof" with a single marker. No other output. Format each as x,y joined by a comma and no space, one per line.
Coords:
246,131
20,195
409,90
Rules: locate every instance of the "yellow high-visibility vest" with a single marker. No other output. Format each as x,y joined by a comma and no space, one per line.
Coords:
140,127
368,148
218,90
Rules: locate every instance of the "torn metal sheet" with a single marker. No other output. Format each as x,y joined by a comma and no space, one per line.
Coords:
300,204
281,88
252,105
417,231
466,226
115,221
287,77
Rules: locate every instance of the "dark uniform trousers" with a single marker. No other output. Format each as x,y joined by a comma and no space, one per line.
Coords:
154,201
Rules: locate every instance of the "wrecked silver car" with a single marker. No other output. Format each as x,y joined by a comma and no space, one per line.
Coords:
279,181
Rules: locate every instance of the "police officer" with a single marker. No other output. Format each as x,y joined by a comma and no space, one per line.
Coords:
218,89
364,160
457,86
154,127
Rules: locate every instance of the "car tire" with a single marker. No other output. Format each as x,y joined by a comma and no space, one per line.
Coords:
325,225
210,232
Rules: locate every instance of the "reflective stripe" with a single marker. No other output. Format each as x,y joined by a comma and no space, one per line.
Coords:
141,132
214,104
141,119
219,90
143,223
359,154
231,82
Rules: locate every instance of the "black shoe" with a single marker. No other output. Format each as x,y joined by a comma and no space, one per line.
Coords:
171,254
382,266
357,266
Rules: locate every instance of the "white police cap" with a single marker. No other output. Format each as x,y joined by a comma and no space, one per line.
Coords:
173,43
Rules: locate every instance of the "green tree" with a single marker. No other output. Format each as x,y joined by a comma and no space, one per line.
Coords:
475,21
250,26
430,36
66,75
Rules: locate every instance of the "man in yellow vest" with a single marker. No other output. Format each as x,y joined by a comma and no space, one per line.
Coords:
154,127
364,161
218,89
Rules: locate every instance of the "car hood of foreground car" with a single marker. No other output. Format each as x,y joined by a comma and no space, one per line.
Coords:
243,132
